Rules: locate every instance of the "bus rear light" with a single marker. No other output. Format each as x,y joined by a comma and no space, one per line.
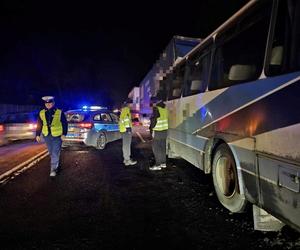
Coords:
1,128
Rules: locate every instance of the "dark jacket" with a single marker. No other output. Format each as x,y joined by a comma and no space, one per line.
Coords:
155,115
49,117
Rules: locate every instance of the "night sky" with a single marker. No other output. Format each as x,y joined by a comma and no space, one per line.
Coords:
88,53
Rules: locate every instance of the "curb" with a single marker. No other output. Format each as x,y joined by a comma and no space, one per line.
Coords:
24,165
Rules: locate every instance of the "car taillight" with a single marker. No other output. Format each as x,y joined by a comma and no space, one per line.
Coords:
1,128
86,125
32,126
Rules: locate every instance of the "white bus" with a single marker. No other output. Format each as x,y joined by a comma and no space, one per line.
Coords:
234,109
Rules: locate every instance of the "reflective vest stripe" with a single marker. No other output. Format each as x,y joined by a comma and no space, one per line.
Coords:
162,120
55,126
125,119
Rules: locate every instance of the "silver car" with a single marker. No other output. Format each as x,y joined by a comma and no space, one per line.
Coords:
19,126
92,127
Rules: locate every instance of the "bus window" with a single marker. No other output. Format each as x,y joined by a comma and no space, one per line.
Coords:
284,55
240,50
196,74
162,89
165,85
175,83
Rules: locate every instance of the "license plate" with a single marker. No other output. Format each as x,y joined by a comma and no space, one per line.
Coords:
73,135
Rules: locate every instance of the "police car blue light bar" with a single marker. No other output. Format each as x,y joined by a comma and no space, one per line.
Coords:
93,107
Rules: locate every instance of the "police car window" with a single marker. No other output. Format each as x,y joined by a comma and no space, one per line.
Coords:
105,117
75,117
97,117
114,117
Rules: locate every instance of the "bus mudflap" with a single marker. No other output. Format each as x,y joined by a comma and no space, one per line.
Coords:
263,221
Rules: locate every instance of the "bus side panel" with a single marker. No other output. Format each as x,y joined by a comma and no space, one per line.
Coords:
278,146
245,158
279,183
193,156
274,123
184,112
182,142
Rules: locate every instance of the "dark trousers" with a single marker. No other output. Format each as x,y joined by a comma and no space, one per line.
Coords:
159,147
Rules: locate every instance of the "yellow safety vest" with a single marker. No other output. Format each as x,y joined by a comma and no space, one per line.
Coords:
162,121
55,127
125,119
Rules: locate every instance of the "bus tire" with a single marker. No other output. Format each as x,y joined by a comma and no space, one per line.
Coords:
225,180
101,141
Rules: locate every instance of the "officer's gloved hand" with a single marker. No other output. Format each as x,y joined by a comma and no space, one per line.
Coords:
128,130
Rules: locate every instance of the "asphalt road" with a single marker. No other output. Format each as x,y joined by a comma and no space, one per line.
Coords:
97,203
17,152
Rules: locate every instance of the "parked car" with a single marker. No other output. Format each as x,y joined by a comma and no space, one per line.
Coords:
92,127
19,126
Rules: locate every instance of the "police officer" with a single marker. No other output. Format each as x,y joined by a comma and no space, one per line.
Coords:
159,130
52,124
125,127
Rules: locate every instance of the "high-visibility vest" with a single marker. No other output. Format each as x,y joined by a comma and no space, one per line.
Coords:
162,120
125,120
55,126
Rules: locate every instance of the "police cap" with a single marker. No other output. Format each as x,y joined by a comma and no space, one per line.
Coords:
48,99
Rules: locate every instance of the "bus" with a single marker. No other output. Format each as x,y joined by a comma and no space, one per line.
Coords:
234,109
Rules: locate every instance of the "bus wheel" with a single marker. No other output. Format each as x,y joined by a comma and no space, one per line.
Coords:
101,141
225,180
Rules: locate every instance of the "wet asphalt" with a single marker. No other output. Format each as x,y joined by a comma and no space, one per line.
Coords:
97,203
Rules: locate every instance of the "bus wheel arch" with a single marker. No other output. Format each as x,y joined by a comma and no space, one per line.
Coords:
225,178
210,149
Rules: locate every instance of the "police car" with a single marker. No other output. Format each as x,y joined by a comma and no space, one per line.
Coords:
92,126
